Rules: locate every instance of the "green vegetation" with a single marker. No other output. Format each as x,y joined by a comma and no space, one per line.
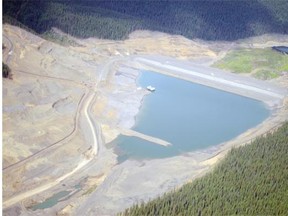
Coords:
90,190
6,71
266,74
59,38
251,180
266,63
115,19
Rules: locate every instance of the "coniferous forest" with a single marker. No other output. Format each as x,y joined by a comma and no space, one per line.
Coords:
251,180
115,19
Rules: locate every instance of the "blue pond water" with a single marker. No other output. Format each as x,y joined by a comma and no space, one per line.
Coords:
188,115
50,202
53,200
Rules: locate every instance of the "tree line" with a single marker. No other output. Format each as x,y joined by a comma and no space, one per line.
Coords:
251,180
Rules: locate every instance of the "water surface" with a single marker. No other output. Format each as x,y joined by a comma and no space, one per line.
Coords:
188,115
50,202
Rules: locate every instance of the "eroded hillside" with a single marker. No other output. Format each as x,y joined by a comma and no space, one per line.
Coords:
65,103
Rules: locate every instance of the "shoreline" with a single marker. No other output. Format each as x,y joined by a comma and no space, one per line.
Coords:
155,177
135,181
269,94
263,91
274,103
276,106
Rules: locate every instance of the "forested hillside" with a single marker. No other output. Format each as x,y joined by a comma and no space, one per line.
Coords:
251,180
115,19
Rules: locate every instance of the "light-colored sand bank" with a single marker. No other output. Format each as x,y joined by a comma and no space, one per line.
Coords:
128,132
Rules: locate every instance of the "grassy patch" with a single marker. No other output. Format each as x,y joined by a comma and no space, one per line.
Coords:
285,66
248,60
90,190
266,74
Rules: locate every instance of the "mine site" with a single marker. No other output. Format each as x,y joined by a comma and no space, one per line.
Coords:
71,102
102,125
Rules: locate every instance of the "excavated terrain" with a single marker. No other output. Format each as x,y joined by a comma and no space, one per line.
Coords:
64,104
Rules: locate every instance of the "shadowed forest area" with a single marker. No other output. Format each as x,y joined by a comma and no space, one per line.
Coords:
209,20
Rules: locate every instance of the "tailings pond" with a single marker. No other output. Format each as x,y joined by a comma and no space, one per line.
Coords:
188,115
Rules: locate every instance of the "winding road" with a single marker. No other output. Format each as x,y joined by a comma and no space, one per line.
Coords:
53,145
83,106
65,138
85,161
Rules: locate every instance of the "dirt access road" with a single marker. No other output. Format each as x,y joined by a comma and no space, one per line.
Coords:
82,110
84,107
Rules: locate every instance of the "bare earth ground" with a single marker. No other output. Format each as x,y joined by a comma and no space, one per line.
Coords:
65,103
